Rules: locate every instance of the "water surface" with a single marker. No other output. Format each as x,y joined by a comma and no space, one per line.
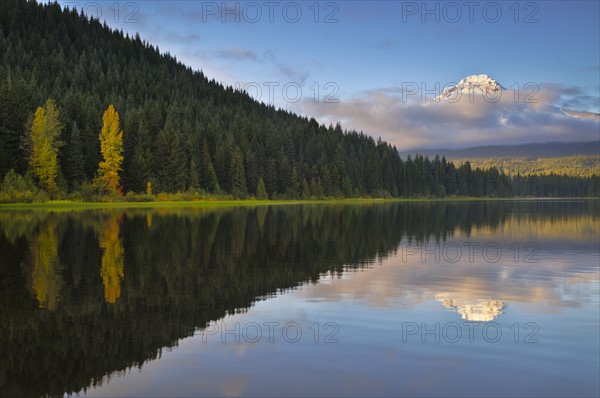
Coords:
477,298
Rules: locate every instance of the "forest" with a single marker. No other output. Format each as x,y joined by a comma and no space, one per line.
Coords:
90,113
576,165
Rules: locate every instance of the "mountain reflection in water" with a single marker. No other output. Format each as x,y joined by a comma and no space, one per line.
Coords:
92,293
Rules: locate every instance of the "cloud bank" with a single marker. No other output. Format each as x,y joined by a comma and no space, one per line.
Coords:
410,119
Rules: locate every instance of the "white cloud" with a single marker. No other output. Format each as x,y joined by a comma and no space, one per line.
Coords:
409,121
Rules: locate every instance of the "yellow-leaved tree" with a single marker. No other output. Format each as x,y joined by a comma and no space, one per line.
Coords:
46,275
111,147
112,260
44,133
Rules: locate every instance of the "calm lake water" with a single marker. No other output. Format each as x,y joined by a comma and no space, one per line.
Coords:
487,298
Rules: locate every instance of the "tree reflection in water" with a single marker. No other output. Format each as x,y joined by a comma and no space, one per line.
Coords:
85,294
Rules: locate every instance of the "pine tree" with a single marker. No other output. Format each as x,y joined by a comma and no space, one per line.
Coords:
261,192
316,188
305,190
111,147
75,164
171,170
293,185
238,175
194,176
13,117
346,187
137,152
139,169
208,177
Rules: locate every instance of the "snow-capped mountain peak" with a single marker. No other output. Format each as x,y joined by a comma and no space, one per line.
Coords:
472,85
482,87
480,80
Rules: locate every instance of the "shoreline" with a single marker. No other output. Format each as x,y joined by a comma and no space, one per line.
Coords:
75,205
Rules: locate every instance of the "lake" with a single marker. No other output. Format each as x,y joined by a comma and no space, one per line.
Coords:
466,298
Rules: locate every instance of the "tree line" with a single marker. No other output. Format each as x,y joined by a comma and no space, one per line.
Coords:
576,165
182,132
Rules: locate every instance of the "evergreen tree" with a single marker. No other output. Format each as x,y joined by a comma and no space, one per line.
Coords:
74,162
305,190
139,172
238,175
293,191
13,117
170,162
346,187
208,177
137,152
261,192
194,176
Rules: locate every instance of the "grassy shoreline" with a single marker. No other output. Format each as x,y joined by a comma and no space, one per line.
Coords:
66,204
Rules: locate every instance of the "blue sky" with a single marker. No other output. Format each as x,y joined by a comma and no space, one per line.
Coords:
361,51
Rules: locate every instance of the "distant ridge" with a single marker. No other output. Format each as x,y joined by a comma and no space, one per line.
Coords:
531,150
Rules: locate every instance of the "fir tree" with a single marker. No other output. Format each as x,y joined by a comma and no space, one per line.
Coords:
238,175
261,192
75,164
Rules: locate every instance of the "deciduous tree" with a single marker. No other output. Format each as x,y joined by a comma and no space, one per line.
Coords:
44,133
111,147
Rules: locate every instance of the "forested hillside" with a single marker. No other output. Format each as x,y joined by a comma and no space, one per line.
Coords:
578,165
182,131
